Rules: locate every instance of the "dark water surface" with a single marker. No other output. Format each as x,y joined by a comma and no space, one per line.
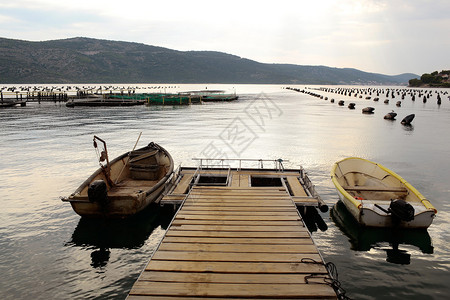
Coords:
49,252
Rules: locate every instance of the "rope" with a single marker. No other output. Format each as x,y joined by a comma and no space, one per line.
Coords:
332,281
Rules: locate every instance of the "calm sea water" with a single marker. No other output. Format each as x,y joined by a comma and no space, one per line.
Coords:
49,252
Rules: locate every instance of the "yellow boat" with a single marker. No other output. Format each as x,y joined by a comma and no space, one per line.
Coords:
378,197
124,186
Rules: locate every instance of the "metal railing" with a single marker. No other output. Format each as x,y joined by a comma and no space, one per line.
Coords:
220,163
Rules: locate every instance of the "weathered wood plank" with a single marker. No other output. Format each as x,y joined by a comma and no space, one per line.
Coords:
282,213
179,221
238,248
242,199
229,256
183,185
249,228
240,240
243,217
166,297
233,290
224,208
225,234
238,268
222,277
295,185
217,204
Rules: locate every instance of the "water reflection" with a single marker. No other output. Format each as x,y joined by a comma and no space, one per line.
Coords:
365,238
100,235
408,127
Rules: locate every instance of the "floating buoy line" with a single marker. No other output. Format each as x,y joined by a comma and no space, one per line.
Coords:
375,94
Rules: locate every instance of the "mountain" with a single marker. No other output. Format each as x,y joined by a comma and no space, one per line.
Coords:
87,60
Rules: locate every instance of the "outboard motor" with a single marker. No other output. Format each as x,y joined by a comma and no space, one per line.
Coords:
98,192
401,210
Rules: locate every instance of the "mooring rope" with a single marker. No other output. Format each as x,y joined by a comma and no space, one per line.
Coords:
333,281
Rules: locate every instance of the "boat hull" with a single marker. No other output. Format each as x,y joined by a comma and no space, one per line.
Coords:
116,208
371,218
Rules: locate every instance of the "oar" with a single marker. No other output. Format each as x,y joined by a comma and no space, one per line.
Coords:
128,158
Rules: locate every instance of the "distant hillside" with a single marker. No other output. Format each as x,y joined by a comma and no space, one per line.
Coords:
86,60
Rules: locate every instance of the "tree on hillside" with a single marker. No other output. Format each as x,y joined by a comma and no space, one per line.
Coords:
415,82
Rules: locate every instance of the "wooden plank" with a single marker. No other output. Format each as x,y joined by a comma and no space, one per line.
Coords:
241,217
227,208
248,228
271,204
238,268
228,256
296,187
180,221
233,290
250,213
238,248
375,189
235,190
251,197
240,240
238,180
166,297
263,198
222,277
234,234
183,185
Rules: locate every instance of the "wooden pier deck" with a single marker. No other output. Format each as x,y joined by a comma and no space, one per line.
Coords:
235,242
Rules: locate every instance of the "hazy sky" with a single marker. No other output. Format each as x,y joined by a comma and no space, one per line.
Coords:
381,36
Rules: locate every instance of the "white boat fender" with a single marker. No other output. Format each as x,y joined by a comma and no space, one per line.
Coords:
98,192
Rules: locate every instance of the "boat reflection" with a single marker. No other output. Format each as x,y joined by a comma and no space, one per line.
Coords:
366,238
100,235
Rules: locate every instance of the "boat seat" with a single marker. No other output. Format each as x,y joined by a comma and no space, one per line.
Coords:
140,156
375,189
144,171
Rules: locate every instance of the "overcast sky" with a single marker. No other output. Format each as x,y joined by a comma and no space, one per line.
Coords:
380,36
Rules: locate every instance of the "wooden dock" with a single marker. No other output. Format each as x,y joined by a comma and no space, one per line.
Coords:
235,241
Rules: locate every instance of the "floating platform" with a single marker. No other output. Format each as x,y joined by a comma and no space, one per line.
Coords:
12,103
100,101
237,234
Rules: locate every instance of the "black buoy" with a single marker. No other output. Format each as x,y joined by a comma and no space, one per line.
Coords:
408,119
398,104
390,116
341,102
368,110
351,105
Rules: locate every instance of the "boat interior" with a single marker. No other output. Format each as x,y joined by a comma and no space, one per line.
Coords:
372,185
